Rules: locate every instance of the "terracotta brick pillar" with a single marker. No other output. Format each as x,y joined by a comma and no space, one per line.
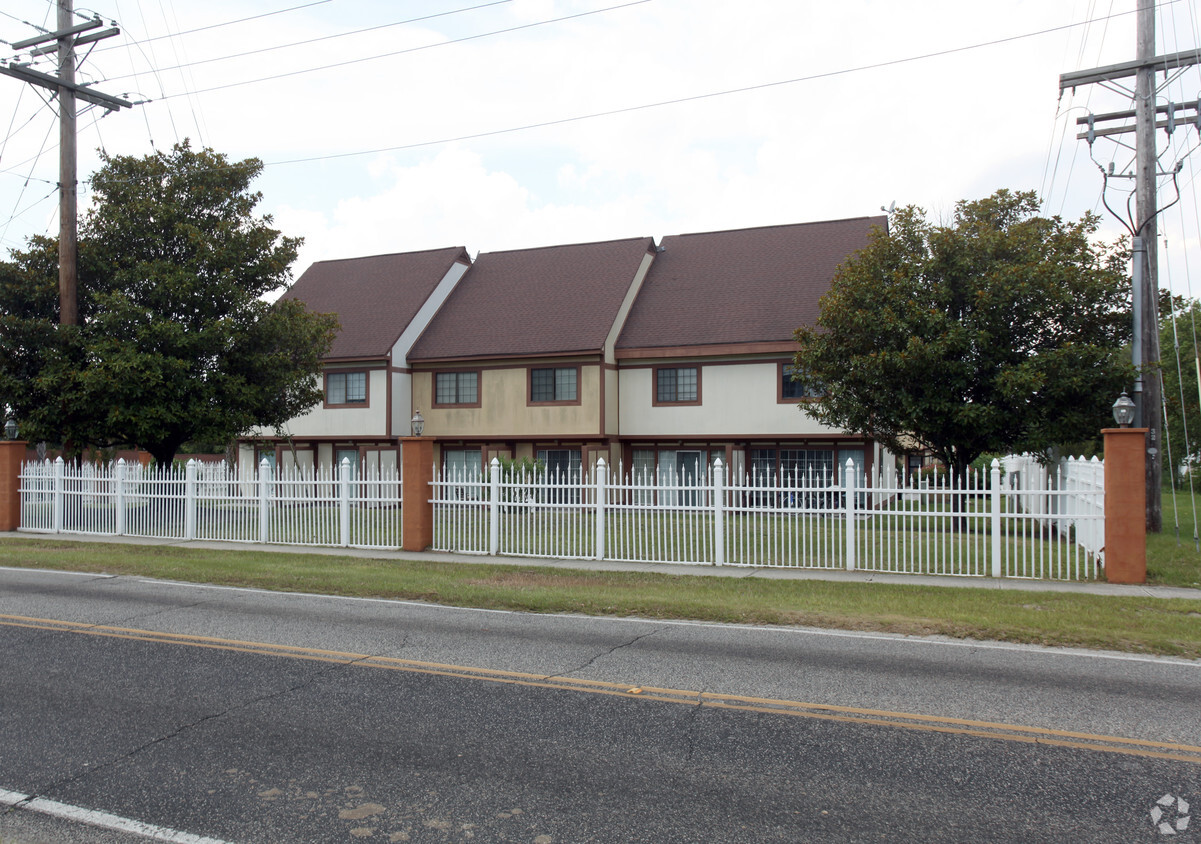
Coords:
12,454
1125,505
417,461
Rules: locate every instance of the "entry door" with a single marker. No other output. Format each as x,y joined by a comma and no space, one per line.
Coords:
690,471
855,455
351,454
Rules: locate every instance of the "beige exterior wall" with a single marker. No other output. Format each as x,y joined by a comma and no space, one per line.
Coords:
612,403
402,404
736,398
504,412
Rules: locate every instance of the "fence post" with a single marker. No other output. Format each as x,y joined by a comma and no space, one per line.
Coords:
190,482
850,512
417,511
719,514
344,503
59,471
119,483
494,507
264,501
602,497
1125,505
995,500
12,456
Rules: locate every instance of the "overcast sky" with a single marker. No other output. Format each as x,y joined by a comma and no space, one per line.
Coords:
503,125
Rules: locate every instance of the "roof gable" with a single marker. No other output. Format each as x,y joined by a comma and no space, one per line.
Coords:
375,298
547,301
741,286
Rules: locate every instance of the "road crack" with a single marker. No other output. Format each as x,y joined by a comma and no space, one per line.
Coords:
620,646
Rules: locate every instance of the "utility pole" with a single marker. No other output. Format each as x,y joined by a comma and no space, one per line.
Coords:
66,38
68,194
1148,389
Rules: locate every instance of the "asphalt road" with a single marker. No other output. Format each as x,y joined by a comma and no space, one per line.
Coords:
243,716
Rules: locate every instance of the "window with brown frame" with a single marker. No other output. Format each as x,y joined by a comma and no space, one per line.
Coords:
345,388
794,386
551,385
677,385
457,388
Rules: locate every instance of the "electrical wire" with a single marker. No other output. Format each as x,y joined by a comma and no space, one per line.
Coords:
448,42
233,22
308,41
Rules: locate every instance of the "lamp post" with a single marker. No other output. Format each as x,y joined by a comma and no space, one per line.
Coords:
417,514
1125,497
12,454
1123,411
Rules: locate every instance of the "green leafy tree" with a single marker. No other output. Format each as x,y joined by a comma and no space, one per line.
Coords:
1000,331
176,340
1181,387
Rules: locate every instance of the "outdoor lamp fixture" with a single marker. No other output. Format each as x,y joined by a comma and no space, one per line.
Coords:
1123,410
418,424
10,429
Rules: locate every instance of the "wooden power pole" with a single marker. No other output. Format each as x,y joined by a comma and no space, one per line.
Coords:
66,38
1148,386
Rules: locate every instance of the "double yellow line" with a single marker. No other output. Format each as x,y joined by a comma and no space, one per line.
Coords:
851,714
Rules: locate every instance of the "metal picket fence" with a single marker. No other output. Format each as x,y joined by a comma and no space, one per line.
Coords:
917,525
981,527
355,506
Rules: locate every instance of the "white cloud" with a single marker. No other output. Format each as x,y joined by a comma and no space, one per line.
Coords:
838,144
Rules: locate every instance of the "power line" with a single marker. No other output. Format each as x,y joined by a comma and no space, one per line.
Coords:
318,39
394,52
231,23
688,99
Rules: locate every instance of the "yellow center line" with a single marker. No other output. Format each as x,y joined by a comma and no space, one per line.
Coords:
820,711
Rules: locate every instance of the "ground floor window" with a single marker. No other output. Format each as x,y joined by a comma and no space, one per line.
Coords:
561,463
563,468
351,454
461,462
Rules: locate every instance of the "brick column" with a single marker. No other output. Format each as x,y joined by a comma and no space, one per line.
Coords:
417,461
1125,505
12,455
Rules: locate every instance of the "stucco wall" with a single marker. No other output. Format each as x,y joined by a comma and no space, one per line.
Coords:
504,412
735,399
370,421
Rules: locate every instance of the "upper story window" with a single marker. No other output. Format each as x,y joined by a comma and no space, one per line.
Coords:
677,385
794,388
560,384
457,388
345,388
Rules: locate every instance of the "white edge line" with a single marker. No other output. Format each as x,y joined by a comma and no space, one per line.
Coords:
811,631
103,820
90,574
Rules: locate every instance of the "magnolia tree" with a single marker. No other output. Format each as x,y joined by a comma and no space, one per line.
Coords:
176,340
1000,331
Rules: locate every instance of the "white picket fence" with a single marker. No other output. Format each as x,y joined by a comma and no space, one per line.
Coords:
982,528
906,525
354,507
1070,492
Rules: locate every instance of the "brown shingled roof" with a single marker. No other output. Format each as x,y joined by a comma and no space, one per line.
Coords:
376,297
553,300
741,286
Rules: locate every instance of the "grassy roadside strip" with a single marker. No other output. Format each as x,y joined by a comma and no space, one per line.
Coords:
1134,624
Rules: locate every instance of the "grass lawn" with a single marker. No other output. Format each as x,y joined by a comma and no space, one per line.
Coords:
1134,624
1173,558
